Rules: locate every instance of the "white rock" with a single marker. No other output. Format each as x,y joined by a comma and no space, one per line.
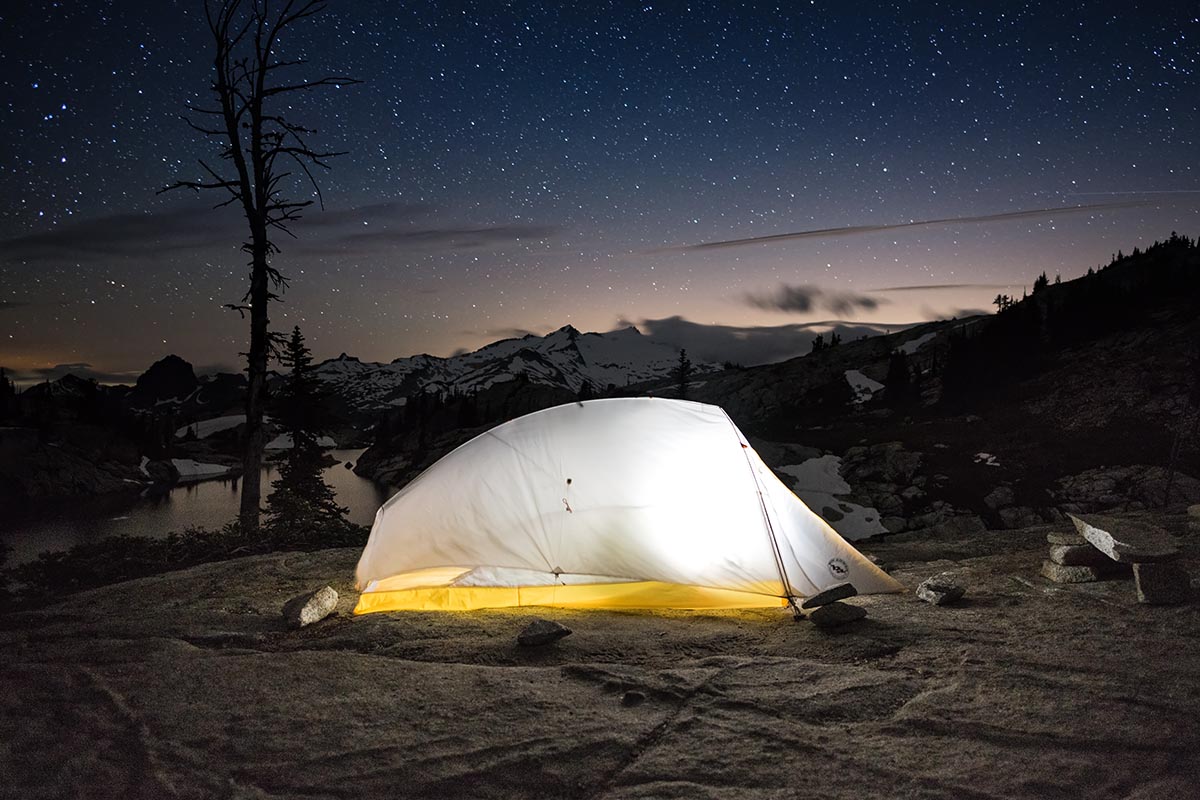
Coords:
305,609
1127,541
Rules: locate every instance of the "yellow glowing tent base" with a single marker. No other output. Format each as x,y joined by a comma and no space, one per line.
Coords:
640,594
619,503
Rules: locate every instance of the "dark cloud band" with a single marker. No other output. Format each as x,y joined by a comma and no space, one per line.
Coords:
804,299
854,230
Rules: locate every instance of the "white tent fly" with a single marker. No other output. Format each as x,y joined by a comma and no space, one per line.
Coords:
631,502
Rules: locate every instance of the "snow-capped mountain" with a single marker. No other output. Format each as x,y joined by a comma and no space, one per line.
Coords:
564,358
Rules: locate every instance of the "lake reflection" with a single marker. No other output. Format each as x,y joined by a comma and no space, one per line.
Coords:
209,504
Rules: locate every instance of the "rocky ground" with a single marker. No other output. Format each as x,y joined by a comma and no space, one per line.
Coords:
190,685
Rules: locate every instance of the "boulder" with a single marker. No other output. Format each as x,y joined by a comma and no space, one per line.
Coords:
305,609
633,698
941,589
883,498
163,472
1068,538
835,615
888,462
999,497
1019,517
542,632
1127,541
1060,573
1078,555
1162,584
839,592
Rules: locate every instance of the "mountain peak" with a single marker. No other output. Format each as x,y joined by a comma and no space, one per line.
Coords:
169,377
564,358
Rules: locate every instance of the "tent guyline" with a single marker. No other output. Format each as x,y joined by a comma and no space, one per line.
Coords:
614,503
788,595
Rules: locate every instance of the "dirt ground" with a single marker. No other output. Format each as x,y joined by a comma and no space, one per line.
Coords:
189,685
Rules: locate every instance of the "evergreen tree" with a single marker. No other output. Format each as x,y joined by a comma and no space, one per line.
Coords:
4,595
302,508
818,343
898,388
8,396
683,374
1041,282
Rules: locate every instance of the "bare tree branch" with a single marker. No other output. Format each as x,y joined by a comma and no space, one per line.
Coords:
254,137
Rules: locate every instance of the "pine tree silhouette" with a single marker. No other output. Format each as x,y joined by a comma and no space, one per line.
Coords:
898,388
683,374
302,508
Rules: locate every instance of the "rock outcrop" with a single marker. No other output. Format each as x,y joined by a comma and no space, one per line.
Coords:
33,472
1126,488
187,685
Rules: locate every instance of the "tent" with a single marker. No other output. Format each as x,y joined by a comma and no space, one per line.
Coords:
626,503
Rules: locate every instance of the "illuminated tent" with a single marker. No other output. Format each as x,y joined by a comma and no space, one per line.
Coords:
626,503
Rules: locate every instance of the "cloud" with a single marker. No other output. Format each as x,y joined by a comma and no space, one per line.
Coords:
499,334
936,287
854,230
216,369
751,345
954,313
8,305
80,369
804,298
391,211
139,235
149,236
511,333
434,238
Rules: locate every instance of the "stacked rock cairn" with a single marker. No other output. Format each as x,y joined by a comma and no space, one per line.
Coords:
1101,547
825,611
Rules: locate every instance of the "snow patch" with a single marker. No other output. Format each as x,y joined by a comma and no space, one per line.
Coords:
818,481
142,466
910,347
864,388
207,427
818,475
986,459
192,470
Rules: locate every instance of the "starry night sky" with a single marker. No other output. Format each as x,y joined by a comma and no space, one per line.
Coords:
518,166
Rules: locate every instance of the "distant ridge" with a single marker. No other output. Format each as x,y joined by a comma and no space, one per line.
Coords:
564,358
